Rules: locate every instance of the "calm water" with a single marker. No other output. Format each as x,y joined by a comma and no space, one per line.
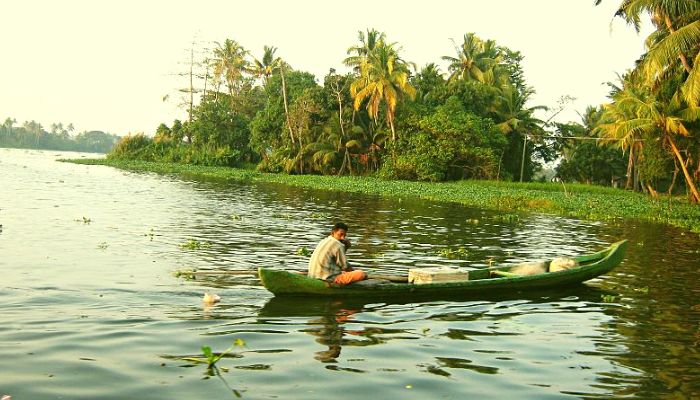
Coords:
90,308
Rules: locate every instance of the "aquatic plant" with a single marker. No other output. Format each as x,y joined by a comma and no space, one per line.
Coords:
150,234
319,216
209,357
580,201
303,251
193,244
510,217
608,298
459,252
187,274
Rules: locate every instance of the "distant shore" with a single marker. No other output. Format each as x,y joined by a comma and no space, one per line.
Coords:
569,200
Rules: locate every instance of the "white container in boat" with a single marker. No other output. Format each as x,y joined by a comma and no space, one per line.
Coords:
437,274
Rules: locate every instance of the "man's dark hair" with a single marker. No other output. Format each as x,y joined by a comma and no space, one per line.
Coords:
339,225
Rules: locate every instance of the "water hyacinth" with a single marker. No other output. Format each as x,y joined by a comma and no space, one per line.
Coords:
579,200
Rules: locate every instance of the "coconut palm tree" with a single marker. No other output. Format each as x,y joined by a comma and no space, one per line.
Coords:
383,79
268,65
230,62
635,114
514,116
476,60
359,54
619,124
675,40
266,68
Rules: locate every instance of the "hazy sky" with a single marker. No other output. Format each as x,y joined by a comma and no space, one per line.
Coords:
106,65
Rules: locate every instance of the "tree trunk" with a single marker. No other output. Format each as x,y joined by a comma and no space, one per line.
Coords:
342,166
675,175
340,116
206,80
393,131
346,163
522,161
688,178
286,108
651,190
630,164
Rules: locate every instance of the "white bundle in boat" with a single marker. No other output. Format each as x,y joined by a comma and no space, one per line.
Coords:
437,274
562,263
529,268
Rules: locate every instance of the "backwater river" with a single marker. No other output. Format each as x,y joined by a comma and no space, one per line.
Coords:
90,307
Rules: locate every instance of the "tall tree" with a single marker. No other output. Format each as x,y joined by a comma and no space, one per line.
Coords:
619,124
230,63
634,114
268,65
358,54
383,79
674,43
475,59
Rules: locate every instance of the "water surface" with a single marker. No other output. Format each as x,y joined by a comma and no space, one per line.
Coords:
90,307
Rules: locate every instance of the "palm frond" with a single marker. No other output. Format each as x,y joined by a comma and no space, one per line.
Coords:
691,86
667,51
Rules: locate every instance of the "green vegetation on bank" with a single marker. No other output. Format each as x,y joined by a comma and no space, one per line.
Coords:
469,118
580,201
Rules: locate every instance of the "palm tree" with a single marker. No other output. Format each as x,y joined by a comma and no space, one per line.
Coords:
268,65
475,60
230,62
383,78
676,37
357,55
513,118
618,123
266,68
513,114
635,114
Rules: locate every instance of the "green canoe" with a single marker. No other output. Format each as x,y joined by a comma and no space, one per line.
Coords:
487,280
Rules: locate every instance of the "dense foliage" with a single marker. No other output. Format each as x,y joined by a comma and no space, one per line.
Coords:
653,113
388,118
384,117
31,135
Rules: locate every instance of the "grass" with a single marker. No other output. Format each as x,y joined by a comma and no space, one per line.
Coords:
574,200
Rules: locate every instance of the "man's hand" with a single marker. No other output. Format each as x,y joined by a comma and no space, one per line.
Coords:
347,243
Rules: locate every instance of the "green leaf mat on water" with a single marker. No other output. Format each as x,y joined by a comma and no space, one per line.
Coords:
578,200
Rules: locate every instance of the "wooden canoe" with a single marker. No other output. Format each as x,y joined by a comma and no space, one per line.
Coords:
486,280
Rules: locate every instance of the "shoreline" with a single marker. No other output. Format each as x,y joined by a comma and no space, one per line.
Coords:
567,200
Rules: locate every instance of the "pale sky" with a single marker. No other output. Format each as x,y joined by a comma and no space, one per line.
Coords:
106,65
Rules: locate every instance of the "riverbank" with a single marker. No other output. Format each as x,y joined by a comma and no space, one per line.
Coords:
571,200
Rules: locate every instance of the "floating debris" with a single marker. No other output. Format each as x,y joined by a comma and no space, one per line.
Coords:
211,298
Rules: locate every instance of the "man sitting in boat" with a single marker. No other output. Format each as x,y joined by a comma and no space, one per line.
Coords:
328,261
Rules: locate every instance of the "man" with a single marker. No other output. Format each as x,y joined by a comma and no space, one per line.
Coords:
328,261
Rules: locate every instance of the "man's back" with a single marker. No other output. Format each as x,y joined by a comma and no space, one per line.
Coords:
328,259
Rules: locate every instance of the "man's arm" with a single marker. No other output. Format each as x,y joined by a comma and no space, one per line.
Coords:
341,260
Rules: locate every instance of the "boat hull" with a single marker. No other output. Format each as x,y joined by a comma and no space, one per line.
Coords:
283,283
